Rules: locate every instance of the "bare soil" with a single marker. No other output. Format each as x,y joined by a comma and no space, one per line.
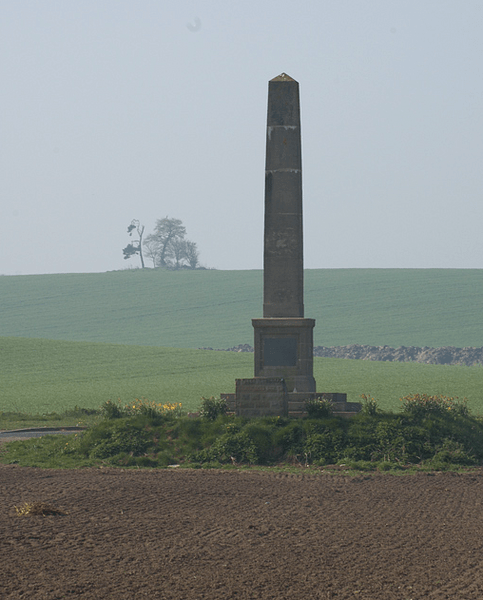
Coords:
188,534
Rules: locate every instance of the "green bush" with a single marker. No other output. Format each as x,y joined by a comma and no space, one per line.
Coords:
111,410
236,447
107,440
289,437
370,405
262,433
420,405
452,452
213,407
318,408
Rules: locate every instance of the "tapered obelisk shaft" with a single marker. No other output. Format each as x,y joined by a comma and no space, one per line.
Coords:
283,241
283,339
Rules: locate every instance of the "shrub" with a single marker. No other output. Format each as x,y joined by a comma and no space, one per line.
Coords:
370,405
261,434
318,408
234,447
453,452
390,442
290,438
432,431
420,405
212,407
111,410
146,408
107,440
322,447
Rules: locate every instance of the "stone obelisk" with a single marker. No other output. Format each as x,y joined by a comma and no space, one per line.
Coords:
283,338
284,362
283,268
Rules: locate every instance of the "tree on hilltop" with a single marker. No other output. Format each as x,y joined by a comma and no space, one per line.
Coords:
167,233
131,249
192,255
168,247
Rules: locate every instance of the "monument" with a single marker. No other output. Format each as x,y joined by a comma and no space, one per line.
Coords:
283,341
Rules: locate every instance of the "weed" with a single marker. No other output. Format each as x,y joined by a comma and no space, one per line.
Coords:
318,408
212,407
152,410
370,406
420,405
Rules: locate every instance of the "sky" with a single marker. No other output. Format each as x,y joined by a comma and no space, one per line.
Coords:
113,110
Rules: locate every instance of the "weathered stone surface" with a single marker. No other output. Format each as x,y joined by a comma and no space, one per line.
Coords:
284,348
283,239
261,397
283,337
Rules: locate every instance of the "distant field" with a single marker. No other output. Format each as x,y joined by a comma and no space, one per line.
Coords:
191,309
40,376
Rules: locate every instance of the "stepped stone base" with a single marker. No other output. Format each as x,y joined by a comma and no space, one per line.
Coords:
268,396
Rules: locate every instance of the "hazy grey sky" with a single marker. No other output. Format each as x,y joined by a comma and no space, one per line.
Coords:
115,109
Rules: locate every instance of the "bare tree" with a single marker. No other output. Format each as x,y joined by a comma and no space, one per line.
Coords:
151,250
131,249
192,255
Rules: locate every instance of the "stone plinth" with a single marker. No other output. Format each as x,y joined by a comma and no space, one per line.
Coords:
340,406
261,397
284,348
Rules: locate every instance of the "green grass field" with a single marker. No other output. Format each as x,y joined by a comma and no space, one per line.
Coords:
192,309
82,339
42,376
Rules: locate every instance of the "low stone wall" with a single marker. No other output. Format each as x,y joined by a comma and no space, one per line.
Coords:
448,355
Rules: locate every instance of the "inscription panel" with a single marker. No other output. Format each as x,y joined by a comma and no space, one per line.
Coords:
280,352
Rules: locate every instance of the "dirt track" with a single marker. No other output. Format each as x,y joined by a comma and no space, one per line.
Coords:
225,534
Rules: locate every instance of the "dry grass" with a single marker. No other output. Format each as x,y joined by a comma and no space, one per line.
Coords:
38,509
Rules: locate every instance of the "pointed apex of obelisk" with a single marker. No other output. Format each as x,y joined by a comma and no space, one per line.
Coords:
283,77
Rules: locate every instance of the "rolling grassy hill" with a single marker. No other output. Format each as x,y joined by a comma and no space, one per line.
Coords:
192,309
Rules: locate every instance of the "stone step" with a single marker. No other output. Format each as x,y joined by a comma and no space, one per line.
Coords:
337,407
297,400
301,414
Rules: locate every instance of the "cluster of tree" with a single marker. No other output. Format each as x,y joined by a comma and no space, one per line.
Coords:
167,246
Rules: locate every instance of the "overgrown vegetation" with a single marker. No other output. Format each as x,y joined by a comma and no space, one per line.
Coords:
433,432
212,407
318,408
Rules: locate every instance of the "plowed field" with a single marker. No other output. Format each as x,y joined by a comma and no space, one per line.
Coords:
188,534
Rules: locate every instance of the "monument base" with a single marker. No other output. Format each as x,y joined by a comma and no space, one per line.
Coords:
268,396
284,380
261,397
284,349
